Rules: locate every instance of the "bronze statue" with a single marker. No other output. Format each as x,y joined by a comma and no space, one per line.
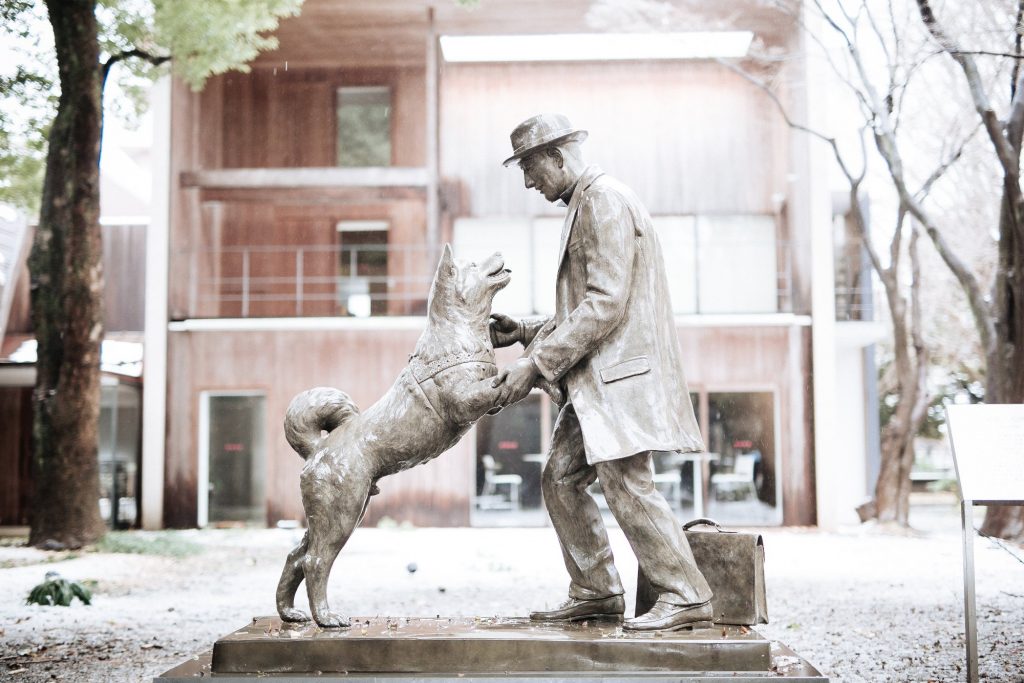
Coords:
443,391
612,348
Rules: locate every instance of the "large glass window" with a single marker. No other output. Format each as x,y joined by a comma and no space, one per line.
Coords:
511,451
475,239
714,264
678,238
737,265
364,126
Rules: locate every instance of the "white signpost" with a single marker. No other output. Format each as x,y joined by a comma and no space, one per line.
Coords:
988,451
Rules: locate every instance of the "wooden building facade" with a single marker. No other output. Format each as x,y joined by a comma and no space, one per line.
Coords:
300,256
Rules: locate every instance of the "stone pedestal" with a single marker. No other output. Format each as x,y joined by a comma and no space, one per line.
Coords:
467,649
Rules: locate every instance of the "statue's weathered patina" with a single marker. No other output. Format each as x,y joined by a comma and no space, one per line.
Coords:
445,388
612,347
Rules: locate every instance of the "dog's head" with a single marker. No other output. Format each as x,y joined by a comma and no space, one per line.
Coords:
466,290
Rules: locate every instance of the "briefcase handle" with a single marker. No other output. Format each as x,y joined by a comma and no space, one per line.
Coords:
705,521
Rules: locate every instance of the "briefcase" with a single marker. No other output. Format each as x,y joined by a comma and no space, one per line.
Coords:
733,564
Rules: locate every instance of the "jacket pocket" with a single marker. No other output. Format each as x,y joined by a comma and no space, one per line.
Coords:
627,368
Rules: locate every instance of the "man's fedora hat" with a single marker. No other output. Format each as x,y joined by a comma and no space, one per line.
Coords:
541,131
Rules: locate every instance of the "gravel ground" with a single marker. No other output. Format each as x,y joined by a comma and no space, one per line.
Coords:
862,605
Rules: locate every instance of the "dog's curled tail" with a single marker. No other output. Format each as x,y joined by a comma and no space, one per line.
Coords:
322,408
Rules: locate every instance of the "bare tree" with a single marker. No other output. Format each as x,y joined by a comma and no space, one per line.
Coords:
1000,317
880,110
997,317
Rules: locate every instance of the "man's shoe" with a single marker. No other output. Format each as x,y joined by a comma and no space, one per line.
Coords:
574,609
665,616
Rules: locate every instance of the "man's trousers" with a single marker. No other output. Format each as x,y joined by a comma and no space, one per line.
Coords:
644,516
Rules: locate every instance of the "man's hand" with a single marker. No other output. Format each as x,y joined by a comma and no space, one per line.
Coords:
505,331
515,381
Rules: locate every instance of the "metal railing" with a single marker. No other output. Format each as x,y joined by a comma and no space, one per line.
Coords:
855,303
381,280
307,280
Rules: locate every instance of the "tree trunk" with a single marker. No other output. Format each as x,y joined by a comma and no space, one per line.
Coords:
1004,348
891,500
1005,382
892,489
67,289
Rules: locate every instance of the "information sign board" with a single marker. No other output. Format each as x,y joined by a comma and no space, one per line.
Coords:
988,451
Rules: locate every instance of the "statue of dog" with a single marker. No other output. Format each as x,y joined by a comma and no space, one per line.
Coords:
445,389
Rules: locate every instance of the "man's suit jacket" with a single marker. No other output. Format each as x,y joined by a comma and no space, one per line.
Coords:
613,343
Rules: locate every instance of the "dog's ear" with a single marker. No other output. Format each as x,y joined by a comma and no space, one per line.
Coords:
447,263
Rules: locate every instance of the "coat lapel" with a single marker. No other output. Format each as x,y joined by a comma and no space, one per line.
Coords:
590,174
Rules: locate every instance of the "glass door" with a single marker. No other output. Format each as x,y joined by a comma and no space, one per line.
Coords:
511,451
742,485
232,460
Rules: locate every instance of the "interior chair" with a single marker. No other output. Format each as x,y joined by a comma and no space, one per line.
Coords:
492,480
739,482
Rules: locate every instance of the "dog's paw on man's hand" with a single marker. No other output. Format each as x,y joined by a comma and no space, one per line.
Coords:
515,381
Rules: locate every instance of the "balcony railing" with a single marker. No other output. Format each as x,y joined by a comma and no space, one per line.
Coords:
307,280
855,303
361,280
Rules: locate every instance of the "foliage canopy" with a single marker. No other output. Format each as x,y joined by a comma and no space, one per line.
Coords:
198,38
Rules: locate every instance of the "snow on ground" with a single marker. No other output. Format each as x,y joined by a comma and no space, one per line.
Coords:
862,605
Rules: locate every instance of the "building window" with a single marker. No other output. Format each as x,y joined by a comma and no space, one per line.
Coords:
362,268
364,126
511,451
721,264
678,238
737,264
475,239
713,264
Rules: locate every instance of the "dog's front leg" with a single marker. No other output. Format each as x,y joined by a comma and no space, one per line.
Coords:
473,400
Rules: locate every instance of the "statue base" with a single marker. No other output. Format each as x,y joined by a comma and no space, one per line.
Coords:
469,649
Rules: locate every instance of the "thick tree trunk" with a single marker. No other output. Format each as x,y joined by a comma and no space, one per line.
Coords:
1006,362
67,290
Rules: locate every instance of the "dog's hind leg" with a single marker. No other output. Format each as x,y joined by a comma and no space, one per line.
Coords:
291,577
332,513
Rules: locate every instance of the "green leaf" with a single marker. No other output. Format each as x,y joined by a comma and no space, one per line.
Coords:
81,592
208,38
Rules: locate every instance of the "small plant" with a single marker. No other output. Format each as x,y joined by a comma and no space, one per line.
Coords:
56,590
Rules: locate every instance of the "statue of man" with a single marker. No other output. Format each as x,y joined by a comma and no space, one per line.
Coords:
612,349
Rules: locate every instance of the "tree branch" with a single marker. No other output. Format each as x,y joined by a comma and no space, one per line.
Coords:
917,336
926,187
1015,73
155,60
897,235
980,308
993,126
781,108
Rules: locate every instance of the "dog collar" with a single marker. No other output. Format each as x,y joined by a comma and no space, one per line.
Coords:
423,371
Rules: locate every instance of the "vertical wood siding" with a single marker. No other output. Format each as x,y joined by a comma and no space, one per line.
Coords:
277,118
363,364
689,137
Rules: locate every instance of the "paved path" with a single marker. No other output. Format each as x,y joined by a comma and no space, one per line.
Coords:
861,605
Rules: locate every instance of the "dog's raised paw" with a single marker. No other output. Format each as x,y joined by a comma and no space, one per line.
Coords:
293,615
332,620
